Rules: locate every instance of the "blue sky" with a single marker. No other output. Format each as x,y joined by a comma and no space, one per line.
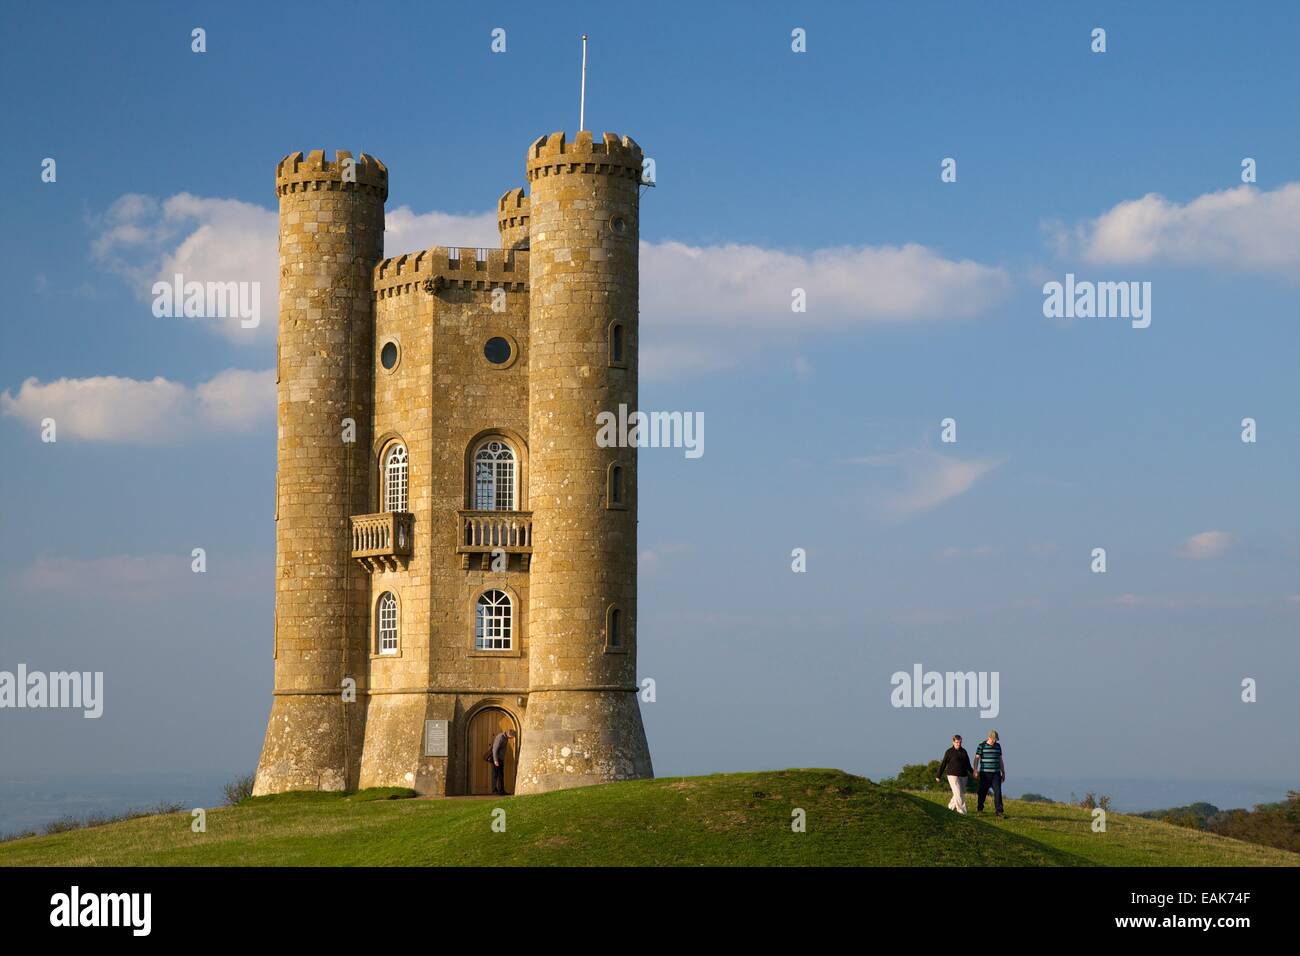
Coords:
818,170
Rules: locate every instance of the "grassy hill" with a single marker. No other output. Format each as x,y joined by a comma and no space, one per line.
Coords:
738,819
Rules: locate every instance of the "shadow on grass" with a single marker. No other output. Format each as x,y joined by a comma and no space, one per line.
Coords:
979,827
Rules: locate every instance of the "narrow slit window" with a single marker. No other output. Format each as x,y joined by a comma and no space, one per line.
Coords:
616,343
616,485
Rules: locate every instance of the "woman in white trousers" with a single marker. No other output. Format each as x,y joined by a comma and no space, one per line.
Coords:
955,765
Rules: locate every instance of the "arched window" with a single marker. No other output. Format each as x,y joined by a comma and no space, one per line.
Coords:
395,460
386,623
615,628
493,622
494,477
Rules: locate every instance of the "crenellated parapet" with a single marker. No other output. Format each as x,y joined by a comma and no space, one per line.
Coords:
611,155
454,267
512,219
296,173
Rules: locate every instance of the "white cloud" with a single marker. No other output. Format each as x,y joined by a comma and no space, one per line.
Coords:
225,240
108,408
694,299
235,399
1243,229
1206,544
407,231
708,307
749,286
919,480
204,240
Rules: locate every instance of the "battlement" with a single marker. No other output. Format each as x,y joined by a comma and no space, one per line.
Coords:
452,267
295,173
611,155
512,219
512,208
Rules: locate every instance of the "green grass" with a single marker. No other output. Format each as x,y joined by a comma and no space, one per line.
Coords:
738,819
1128,840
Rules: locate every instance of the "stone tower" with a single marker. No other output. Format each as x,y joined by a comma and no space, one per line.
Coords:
455,540
331,238
583,723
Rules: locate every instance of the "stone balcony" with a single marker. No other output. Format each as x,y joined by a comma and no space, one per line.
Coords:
485,532
382,542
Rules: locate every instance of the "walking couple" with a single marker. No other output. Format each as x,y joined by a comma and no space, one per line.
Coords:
989,770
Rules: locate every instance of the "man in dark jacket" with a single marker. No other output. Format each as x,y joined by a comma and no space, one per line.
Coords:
499,753
955,765
992,771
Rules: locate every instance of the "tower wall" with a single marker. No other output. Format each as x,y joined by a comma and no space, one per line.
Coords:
331,237
583,723
438,305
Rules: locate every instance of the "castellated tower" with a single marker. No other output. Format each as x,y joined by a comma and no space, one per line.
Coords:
583,723
512,219
455,550
331,237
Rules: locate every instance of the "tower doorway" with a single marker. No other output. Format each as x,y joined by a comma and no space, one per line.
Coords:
483,729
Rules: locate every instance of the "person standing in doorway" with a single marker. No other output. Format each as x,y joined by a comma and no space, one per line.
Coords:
991,771
955,765
499,753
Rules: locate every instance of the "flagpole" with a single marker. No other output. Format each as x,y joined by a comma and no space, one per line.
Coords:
582,101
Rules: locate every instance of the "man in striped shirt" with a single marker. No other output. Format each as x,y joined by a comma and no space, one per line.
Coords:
992,771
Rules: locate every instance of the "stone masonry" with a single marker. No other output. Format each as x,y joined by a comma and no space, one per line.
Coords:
397,542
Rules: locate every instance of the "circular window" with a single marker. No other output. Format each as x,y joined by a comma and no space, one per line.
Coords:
388,355
497,350
619,225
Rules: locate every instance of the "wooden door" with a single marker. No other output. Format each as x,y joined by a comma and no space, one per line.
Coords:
483,729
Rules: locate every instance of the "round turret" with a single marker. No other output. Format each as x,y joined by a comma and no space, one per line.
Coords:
583,724
331,237
512,219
